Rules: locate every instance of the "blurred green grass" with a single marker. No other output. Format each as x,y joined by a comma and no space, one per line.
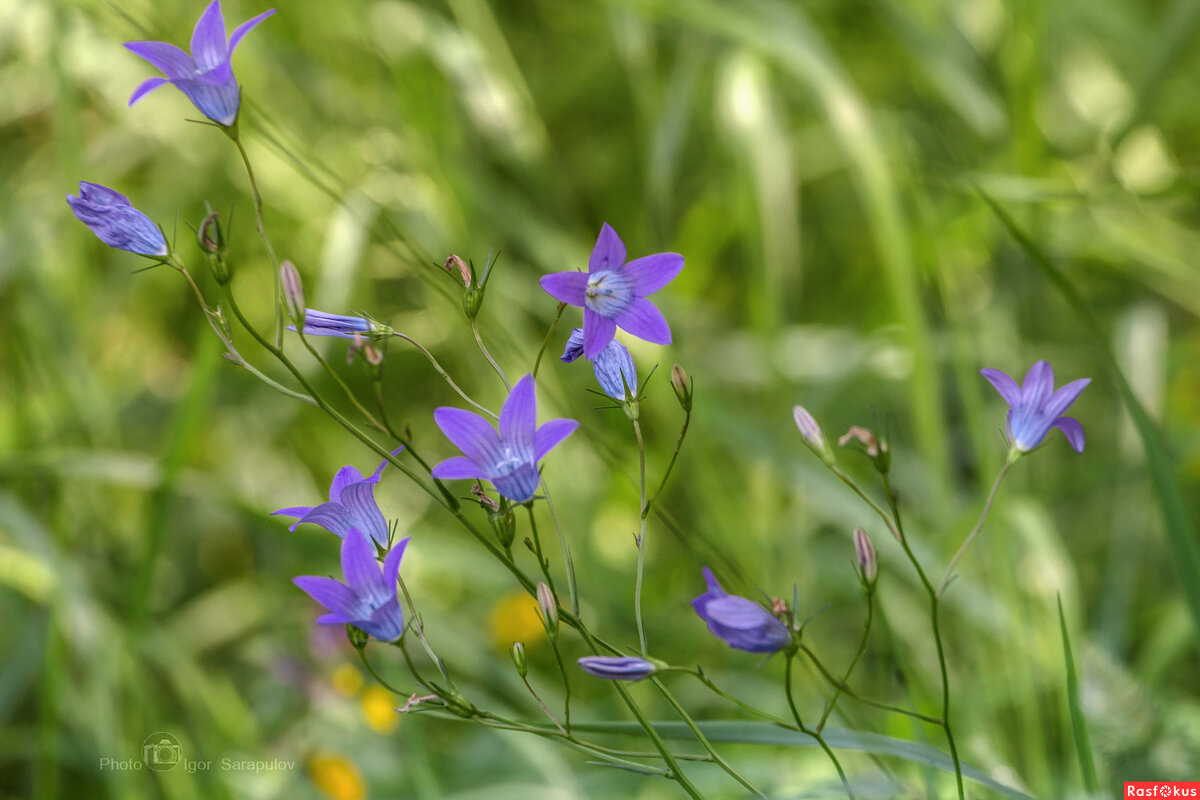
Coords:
814,163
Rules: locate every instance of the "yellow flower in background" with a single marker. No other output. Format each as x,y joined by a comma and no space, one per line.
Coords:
337,777
515,618
379,707
347,680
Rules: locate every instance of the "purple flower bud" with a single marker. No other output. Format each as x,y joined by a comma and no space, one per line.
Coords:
115,221
319,323
293,291
740,623
617,668
811,432
549,607
865,551
613,365
681,384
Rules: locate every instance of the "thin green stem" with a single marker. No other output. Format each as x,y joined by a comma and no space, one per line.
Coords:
687,420
445,375
862,648
703,740
987,506
543,563
367,415
483,349
362,655
841,686
887,520
562,669
641,542
568,562
542,703
546,342
262,232
787,687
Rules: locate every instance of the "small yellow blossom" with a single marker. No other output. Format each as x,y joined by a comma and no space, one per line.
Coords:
337,777
347,680
515,618
379,707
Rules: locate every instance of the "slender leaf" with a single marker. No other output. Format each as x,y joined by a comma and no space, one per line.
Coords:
1083,744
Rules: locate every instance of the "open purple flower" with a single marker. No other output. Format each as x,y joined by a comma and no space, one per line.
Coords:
508,460
115,221
613,293
617,668
368,598
319,323
739,622
351,506
1035,407
612,363
205,77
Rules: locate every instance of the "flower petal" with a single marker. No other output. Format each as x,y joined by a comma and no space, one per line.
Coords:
1004,384
344,477
566,287
519,484
574,346
1061,400
217,101
173,62
615,371
1038,384
333,517
471,434
386,622
391,564
550,435
359,501
146,87
643,320
209,47
458,468
609,252
359,566
246,27
295,511
1072,430
332,594
651,273
518,418
598,331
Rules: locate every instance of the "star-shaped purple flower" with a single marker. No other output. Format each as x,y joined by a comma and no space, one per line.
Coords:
613,293
115,221
739,622
1035,407
351,505
613,366
508,460
206,76
368,598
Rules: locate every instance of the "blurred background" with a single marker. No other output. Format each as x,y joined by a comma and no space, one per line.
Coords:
818,165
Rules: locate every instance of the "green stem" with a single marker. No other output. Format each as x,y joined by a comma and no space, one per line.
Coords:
445,375
862,648
562,669
543,564
687,420
483,349
362,656
841,686
787,686
703,740
568,562
546,342
641,542
367,415
987,506
262,232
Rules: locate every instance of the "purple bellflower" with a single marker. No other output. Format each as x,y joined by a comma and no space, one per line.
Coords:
613,363
205,77
613,293
367,599
1035,407
115,221
617,668
319,323
508,460
740,623
351,506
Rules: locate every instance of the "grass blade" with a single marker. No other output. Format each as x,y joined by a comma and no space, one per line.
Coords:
1083,744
